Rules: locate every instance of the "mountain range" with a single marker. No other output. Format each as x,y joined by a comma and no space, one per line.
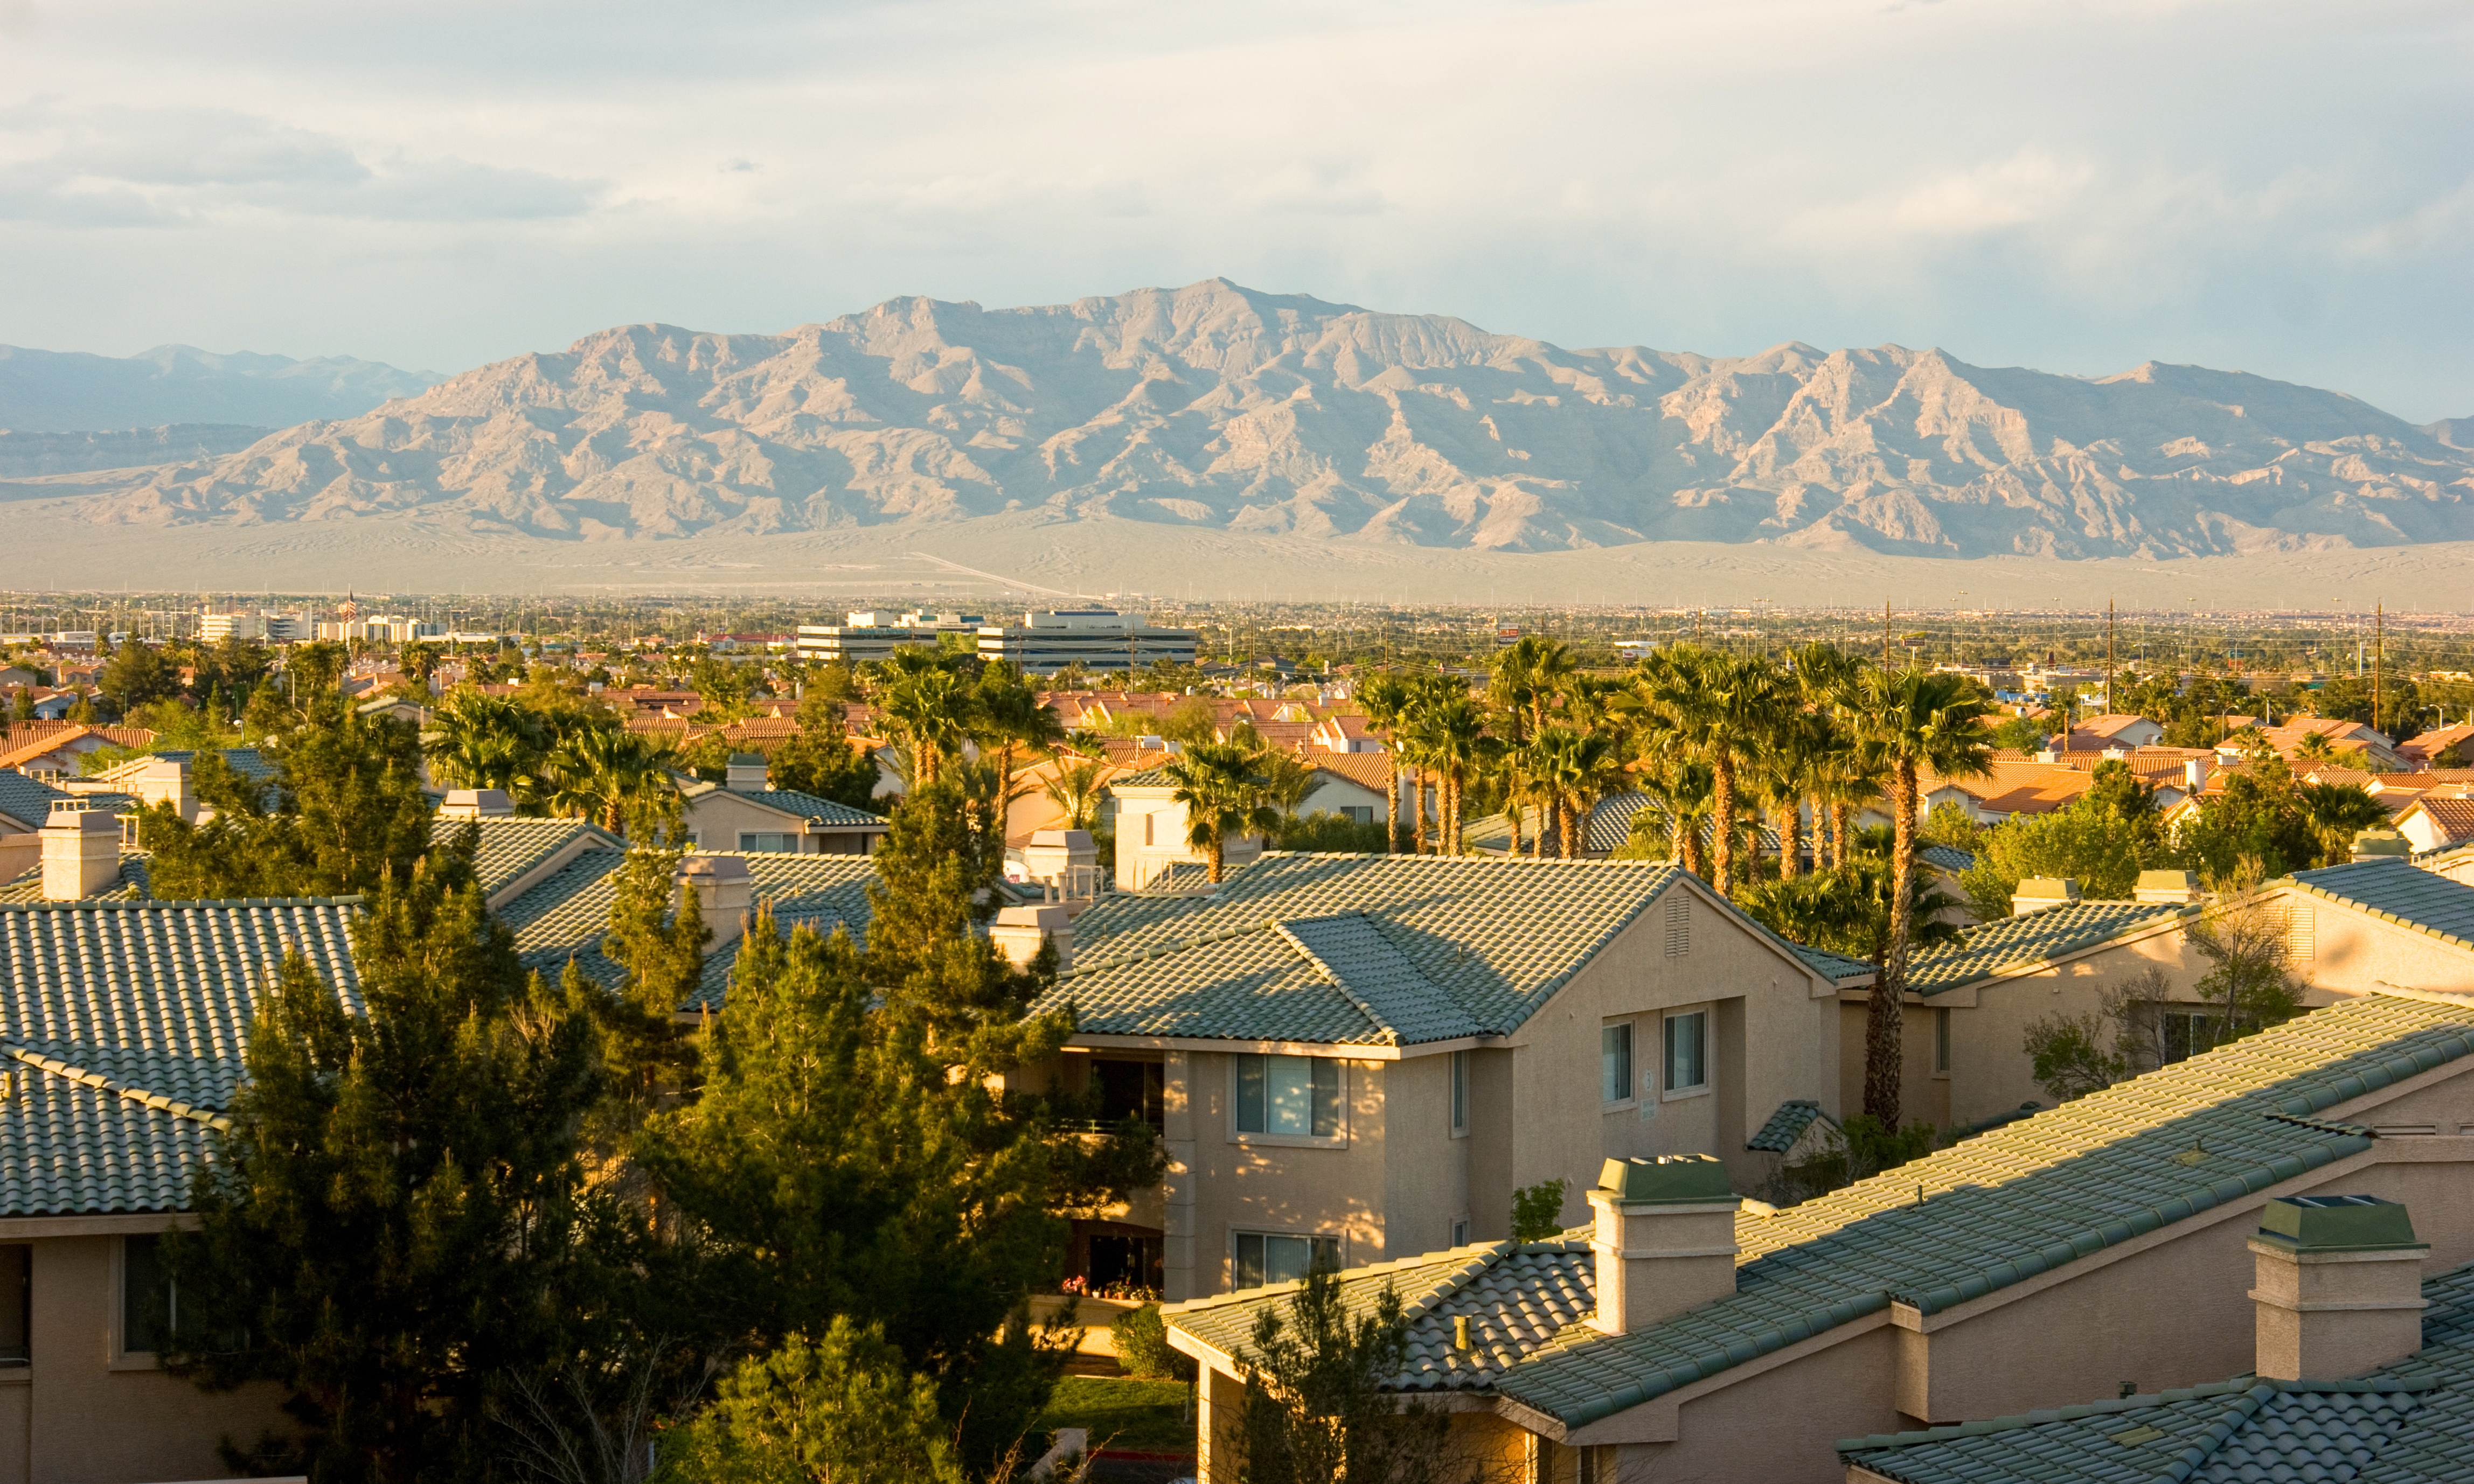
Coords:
1221,408
70,391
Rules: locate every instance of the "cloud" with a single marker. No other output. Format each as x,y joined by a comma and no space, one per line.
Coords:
155,167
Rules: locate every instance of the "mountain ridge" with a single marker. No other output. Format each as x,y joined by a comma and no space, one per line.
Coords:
178,385
1229,408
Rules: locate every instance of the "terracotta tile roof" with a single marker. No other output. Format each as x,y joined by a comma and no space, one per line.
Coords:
2437,740
1367,769
2455,818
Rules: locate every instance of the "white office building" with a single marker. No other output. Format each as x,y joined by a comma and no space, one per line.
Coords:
1098,639
874,634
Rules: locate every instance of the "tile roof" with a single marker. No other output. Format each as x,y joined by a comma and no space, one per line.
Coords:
1946,858
2454,815
2395,891
132,885
510,845
1385,950
566,916
2410,1422
28,800
791,801
1367,769
2000,1208
2014,942
1787,1125
128,1022
248,762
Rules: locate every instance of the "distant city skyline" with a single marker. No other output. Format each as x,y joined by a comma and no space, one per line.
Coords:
2279,188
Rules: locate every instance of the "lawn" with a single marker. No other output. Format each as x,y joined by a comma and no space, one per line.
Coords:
1142,1417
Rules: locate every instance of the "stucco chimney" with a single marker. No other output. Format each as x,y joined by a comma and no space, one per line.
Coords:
166,781
719,887
2195,775
1665,1240
2035,894
1067,861
81,852
746,773
2382,846
2340,1287
1019,931
2167,886
477,804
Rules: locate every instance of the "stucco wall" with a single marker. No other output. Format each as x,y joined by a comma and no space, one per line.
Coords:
1775,1427
90,1424
2354,953
719,817
1244,1182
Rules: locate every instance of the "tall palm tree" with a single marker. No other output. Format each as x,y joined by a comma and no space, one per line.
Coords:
1223,796
1529,673
1076,788
1717,705
932,708
1784,775
612,777
1825,677
1383,699
1680,791
1453,729
1575,769
1006,712
1910,720
485,742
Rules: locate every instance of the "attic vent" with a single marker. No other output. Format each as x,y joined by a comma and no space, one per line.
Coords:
1679,926
2298,936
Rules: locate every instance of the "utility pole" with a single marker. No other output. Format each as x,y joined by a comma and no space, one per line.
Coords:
2108,657
1885,636
2379,658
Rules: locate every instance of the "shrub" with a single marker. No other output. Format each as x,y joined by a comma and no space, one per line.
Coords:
1143,1350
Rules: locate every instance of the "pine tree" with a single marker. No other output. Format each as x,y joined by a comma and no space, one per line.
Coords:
395,1224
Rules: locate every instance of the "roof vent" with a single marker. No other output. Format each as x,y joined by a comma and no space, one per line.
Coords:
2167,886
477,804
719,887
2035,894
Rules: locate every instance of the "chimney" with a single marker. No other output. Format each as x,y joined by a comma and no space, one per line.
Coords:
2195,775
2035,894
81,852
745,773
1066,861
2166,886
717,886
477,804
2340,1287
1665,1240
166,781
1019,931
2382,846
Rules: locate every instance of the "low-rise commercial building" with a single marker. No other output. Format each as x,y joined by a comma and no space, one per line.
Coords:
1096,639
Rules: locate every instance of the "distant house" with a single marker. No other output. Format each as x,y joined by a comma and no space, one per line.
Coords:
2097,733
2438,822
746,814
54,749
2424,751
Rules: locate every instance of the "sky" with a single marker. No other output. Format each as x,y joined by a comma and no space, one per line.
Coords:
2284,187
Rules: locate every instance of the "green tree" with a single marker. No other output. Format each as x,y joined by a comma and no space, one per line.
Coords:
1910,720
1719,707
927,702
343,814
2257,822
1223,795
1538,1211
819,759
1315,1411
2089,844
395,1222
138,675
844,1410
2020,733
316,671
481,741
618,779
1006,712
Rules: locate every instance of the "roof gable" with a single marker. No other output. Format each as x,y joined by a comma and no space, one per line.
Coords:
2008,943
2394,891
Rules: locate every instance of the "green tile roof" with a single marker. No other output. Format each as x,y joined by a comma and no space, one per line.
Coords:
510,845
2036,937
248,762
806,805
568,914
1946,858
1355,950
28,800
2000,1208
132,885
2411,1423
127,1023
2396,891
1786,1126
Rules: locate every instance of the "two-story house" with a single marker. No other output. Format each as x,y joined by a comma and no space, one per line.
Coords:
1354,1056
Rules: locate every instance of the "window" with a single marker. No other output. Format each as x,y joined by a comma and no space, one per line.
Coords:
1459,1092
1615,1063
149,1301
1298,1097
1358,814
1128,1090
2187,1034
17,1271
759,842
1686,1060
1274,1258
1460,1232
1597,1463
1941,1038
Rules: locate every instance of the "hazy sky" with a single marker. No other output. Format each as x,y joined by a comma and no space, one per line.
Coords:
2285,187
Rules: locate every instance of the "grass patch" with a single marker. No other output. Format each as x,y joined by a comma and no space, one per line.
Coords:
1145,1417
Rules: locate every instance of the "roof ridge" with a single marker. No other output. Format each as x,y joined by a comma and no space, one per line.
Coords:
2105,1407
1391,1033
211,1118
169,904
1394,1265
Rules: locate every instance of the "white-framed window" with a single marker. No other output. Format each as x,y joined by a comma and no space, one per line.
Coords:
1261,1258
1460,1231
1460,1094
758,842
1287,1097
1688,1052
1941,1039
1615,1063
17,1307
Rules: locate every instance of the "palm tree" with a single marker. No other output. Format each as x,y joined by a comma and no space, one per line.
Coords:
1008,712
1453,729
1383,699
1076,788
612,777
1681,791
1575,770
1223,796
1783,775
1910,720
1717,705
932,708
1529,673
485,742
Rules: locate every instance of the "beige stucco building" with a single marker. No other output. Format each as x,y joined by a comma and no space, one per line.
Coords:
2099,1246
1356,1056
